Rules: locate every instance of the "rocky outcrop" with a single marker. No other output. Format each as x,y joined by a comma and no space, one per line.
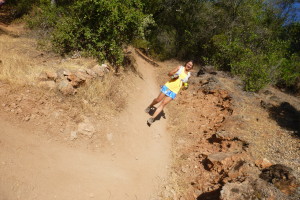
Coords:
67,82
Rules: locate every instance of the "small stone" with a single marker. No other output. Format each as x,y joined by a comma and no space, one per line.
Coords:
264,163
73,135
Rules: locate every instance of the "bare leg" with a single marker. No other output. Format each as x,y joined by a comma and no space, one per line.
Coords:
161,106
158,99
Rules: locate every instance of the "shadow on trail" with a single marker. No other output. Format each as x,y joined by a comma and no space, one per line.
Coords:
286,116
159,116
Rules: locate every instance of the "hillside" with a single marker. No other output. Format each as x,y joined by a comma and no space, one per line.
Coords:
217,141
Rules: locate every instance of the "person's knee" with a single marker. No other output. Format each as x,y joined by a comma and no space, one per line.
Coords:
163,104
157,100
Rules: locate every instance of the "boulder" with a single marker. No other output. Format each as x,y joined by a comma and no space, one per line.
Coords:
66,88
281,176
75,81
100,70
62,73
251,188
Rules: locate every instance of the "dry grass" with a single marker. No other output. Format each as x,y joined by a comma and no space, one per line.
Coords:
21,62
16,67
105,96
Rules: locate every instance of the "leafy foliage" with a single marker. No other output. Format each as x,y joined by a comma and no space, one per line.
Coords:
254,39
100,28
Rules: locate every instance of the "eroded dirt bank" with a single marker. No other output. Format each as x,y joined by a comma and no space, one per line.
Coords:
227,144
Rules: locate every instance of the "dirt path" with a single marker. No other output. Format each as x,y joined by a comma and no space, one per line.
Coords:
132,167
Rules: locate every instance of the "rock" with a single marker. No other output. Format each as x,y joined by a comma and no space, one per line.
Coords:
100,70
43,76
66,88
62,73
27,118
251,189
47,84
73,135
75,80
224,135
51,75
91,73
86,128
83,75
267,92
275,99
266,105
217,159
264,163
281,176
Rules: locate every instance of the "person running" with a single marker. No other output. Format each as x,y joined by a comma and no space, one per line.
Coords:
179,77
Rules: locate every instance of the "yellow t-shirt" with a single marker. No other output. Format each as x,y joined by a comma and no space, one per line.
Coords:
175,85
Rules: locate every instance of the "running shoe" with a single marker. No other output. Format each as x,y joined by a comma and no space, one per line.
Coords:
150,121
147,110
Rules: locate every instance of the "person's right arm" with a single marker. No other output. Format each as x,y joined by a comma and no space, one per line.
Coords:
172,72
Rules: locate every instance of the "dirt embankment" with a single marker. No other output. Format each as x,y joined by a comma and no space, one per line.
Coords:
228,145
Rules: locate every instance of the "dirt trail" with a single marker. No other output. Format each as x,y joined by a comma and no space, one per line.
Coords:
132,166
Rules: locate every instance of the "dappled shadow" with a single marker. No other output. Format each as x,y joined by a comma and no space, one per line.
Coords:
212,195
286,116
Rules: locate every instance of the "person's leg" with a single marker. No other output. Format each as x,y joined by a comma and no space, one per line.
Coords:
165,101
158,99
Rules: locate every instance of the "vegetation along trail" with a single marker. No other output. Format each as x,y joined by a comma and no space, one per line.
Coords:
132,166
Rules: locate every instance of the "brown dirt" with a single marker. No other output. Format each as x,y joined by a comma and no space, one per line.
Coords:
125,159
122,159
215,103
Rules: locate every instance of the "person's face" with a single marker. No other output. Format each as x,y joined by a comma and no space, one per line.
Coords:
189,66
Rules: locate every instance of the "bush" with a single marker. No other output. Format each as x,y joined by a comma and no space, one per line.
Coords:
100,28
257,66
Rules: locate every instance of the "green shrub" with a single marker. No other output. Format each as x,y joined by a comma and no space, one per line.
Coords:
254,71
100,28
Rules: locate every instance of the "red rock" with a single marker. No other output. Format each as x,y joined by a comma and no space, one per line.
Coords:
264,163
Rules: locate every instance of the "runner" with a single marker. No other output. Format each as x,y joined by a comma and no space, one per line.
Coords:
179,77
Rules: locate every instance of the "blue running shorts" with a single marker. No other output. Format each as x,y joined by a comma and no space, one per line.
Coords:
168,92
